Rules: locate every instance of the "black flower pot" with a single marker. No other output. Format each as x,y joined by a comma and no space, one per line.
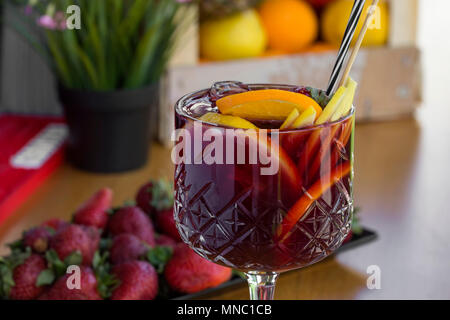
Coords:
109,131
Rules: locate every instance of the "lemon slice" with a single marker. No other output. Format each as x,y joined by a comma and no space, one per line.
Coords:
290,119
306,119
227,121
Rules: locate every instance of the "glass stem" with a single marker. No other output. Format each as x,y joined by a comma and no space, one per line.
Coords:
261,285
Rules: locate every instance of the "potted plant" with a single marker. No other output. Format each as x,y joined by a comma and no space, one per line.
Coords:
108,57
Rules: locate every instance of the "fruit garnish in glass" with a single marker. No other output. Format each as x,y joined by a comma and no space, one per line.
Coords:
263,176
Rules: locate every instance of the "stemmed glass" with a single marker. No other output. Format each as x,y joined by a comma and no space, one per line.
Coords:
234,213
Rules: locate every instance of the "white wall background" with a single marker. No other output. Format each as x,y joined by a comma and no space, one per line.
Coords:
434,40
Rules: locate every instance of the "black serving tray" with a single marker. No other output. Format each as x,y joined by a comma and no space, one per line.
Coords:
357,239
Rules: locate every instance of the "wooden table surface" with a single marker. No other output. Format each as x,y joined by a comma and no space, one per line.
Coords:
402,170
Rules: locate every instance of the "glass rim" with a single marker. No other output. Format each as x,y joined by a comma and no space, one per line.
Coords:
190,118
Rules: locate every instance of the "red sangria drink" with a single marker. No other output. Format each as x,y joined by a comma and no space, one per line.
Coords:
263,178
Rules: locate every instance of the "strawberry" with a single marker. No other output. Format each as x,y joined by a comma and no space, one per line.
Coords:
56,224
60,290
126,247
165,223
144,198
131,219
187,272
166,241
138,281
94,211
25,278
348,238
155,195
37,238
76,238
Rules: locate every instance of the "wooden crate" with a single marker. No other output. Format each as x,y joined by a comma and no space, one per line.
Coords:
389,77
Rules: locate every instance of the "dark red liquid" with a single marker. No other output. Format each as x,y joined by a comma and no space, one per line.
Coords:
234,216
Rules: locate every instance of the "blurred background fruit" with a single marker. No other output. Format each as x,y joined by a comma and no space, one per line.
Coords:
333,23
291,25
210,9
320,47
240,35
319,3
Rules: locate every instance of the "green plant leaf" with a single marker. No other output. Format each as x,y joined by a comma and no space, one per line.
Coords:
61,64
121,43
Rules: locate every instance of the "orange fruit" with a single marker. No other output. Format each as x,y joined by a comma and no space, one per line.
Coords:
321,47
274,53
269,104
291,25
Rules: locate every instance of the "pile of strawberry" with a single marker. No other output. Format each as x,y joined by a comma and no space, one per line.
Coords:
119,254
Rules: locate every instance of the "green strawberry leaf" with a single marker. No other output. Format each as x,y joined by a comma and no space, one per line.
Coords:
129,203
16,245
7,265
50,230
6,281
98,259
75,258
162,194
106,282
159,256
46,277
58,266
105,244
111,211
356,225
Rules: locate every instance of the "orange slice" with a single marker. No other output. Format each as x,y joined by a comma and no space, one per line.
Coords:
309,197
269,104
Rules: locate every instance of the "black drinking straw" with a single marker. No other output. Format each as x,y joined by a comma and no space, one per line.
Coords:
355,15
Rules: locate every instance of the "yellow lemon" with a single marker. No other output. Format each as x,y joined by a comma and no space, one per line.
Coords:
240,35
335,18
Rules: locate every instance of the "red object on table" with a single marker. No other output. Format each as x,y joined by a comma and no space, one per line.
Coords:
31,148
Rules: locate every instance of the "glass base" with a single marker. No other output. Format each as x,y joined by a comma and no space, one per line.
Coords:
261,285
